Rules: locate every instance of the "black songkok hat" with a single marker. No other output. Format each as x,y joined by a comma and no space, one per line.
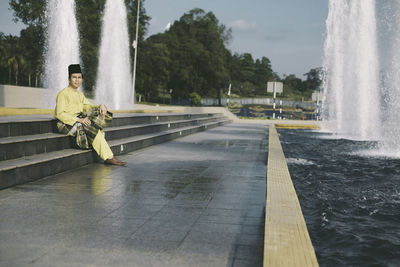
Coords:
74,68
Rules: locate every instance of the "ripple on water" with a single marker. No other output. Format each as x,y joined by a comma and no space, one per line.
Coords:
299,161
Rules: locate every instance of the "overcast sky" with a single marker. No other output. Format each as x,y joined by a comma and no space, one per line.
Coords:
289,32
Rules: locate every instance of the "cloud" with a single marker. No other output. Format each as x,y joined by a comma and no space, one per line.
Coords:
168,26
243,26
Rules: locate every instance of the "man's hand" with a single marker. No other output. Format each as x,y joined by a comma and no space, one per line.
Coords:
85,121
103,110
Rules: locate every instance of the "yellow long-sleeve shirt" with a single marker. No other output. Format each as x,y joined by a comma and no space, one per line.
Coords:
70,103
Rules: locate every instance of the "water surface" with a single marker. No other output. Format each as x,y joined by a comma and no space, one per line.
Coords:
351,202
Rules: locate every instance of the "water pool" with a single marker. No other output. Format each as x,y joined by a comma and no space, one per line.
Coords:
351,202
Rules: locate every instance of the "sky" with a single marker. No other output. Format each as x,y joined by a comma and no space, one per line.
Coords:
289,32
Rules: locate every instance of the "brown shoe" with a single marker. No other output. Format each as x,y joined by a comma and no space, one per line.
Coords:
115,161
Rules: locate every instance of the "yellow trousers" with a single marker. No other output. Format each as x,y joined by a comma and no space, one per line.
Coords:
101,147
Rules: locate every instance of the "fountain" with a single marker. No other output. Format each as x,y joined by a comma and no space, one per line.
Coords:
62,46
114,82
351,84
390,85
349,183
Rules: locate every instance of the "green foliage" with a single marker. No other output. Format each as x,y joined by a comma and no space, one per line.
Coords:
131,6
27,51
296,89
89,17
313,80
262,75
195,99
32,48
292,86
30,12
143,24
249,77
153,70
186,62
197,47
190,56
12,59
247,68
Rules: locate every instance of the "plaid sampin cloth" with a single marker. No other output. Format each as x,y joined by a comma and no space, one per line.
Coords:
84,135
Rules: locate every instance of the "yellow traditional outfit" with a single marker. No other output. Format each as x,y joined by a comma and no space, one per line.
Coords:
71,103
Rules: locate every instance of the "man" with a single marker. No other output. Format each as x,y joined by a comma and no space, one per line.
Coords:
78,118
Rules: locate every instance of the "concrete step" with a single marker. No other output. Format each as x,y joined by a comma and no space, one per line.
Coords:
26,145
33,167
112,133
46,124
128,144
129,119
27,127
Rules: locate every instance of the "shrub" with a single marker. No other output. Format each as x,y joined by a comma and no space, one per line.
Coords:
195,99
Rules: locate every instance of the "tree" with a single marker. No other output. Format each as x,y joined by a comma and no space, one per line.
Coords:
32,40
292,87
262,74
16,63
313,79
11,57
144,20
32,47
195,99
3,58
89,16
198,56
247,68
153,71
30,12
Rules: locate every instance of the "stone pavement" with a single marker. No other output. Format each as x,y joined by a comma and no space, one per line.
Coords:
194,201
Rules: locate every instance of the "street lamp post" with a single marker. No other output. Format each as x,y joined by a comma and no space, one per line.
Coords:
135,46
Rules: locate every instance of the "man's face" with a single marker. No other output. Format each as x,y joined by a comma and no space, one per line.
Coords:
75,80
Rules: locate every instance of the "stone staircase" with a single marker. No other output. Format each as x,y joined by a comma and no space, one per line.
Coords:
31,148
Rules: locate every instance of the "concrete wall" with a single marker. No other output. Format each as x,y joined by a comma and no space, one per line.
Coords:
26,97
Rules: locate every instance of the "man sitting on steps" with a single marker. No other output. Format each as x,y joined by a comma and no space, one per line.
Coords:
78,118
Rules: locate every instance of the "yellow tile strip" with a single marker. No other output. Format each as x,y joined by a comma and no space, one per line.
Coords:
297,126
24,111
34,111
286,241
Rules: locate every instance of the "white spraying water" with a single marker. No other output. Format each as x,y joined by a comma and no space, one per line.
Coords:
351,84
114,82
390,56
62,46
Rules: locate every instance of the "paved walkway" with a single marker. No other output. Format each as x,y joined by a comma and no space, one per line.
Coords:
194,201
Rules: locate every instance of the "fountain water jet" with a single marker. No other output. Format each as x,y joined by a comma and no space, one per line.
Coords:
62,46
390,144
350,64
114,82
